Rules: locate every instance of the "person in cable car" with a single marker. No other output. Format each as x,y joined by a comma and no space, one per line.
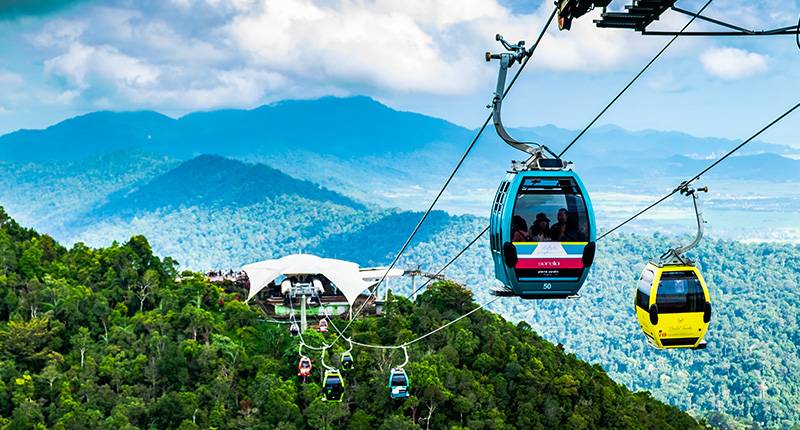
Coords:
398,383
557,230
333,386
304,368
572,231
540,230
519,229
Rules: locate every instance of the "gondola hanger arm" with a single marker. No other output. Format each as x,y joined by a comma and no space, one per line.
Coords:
675,255
515,53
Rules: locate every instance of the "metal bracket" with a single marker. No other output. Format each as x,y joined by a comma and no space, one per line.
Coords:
737,31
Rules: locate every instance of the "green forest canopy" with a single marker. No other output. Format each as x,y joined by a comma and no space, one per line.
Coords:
114,338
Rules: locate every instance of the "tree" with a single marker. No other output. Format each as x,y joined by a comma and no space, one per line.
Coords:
322,415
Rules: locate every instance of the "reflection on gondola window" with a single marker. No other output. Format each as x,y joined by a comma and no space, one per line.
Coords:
680,292
538,203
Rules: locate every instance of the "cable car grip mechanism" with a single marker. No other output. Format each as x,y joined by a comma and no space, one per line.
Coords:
537,160
675,255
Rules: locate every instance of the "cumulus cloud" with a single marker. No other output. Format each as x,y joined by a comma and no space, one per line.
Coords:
419,46
10,79
733,63
81,63
190,54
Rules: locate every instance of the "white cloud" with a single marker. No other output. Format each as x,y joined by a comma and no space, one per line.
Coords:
82,62
733,63
59,32
417,46
10,79
190,54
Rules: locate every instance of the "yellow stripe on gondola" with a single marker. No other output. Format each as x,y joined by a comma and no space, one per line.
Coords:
563,243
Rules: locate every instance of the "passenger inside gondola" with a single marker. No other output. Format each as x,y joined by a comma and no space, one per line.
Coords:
519,229
539,199
557,230
572,232
540,230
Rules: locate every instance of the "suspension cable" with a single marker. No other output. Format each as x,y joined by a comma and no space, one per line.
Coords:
702,172
635,78
452,260
585,129
300,331
455,170
415,340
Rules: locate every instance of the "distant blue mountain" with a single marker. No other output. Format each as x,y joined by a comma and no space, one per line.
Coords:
86,136
347,127
372,153
376,242
213,182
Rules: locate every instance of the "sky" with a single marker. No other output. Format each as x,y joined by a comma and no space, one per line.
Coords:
62,58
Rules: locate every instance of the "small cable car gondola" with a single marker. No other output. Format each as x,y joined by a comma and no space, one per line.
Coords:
398,383
332,386
294,329
398,379
533,258
672,303
304,368
323,326
346,360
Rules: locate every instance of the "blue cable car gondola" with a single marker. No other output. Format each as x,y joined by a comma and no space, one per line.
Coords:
398,379
398,383
542,222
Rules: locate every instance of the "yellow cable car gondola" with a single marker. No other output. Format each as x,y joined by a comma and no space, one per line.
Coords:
332,386
672,303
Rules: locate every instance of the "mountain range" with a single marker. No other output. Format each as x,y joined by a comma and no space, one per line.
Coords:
302,176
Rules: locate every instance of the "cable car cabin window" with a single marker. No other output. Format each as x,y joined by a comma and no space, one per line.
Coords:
643,290
332,381
680,292
549,210
398,380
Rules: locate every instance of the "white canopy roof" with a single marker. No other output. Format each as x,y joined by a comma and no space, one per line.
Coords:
344,274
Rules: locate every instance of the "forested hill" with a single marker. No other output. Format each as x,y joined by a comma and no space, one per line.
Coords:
113,338
214,182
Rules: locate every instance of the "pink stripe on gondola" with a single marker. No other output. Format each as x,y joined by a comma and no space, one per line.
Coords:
549,263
